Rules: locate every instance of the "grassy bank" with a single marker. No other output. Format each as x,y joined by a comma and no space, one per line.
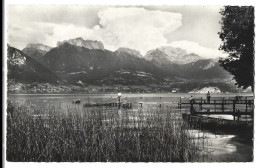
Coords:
98,135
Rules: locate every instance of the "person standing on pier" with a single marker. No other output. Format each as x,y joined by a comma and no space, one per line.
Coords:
208,97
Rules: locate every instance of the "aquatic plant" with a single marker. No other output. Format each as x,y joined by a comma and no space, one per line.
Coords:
98,134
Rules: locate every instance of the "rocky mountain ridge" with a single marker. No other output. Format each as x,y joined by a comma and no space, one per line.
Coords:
38,46
36,51
129,51
80,42
167,54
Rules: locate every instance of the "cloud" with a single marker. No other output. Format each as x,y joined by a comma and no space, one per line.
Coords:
118,27
136,28
60,32
131,27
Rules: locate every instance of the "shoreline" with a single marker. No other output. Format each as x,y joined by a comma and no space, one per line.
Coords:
109,93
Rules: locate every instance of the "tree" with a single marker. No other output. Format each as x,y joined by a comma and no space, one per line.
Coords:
237,35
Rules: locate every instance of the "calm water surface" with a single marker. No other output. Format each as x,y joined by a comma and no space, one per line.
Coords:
222,148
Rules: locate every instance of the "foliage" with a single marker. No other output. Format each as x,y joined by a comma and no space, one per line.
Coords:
237,35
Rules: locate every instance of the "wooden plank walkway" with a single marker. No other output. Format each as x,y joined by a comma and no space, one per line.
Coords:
215,103
225,113
235,106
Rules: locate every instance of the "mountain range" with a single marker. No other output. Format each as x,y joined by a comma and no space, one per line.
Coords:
89,62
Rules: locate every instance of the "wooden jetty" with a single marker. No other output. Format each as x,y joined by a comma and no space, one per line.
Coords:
235,106
219,124
109,104
119,103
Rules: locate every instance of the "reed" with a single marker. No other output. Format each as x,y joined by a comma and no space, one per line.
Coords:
99,134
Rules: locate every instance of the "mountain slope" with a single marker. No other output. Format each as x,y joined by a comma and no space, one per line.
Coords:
206,69
137,70
94,66
75,63
176,62
23,68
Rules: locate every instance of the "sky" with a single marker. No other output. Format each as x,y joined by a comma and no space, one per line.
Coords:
193,28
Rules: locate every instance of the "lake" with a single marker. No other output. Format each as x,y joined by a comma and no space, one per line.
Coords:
222,147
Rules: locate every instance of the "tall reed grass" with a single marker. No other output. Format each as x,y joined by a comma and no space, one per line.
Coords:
99,134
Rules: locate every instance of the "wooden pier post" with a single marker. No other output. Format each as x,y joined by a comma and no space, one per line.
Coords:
215,105
222,106
246,104
191,108
234,110
201,103
180,102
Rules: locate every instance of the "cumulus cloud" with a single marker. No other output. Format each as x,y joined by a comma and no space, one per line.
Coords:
62,32
136,28
130,27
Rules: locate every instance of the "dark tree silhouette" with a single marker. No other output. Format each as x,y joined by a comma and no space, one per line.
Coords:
237,35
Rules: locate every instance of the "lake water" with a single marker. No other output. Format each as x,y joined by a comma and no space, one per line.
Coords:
222,147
